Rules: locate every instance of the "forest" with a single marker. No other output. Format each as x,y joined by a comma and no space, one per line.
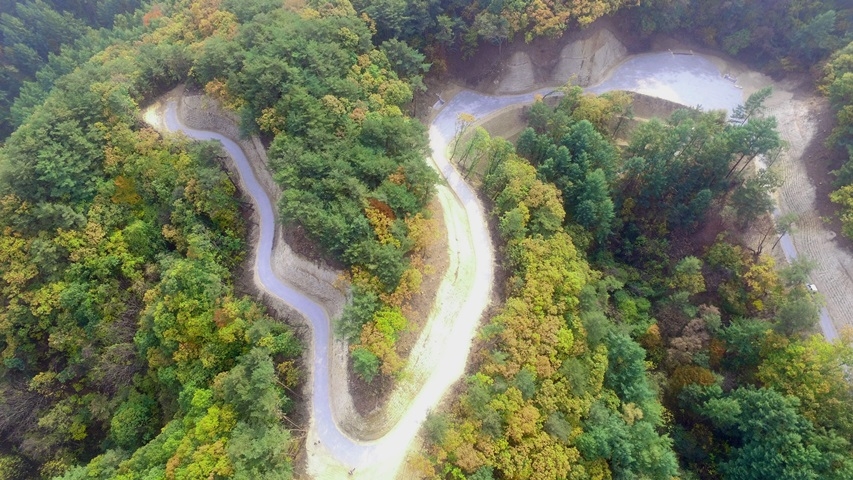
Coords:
130,350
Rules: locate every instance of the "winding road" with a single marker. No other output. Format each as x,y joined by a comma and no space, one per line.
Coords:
439,357
437,360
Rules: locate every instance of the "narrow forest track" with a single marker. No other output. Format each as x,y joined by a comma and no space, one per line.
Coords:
438,359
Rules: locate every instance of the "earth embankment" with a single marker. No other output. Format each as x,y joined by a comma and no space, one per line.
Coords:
583,62
593,56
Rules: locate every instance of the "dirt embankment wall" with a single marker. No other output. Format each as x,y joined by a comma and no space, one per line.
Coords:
646,107
202,113
584,55
583,62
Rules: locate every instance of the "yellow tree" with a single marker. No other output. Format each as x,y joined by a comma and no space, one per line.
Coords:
813,370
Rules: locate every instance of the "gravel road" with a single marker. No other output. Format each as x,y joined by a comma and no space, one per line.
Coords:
439,357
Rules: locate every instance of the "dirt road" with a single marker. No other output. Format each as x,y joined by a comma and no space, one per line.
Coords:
437,360
439,357
811,238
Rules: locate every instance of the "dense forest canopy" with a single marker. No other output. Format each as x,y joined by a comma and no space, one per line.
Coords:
43,40
128,353
120,330
789,35
738,387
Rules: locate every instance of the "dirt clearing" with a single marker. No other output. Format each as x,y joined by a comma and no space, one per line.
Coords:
800,124
803,118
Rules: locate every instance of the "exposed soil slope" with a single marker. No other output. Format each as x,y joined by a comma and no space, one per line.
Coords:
796,107
438,356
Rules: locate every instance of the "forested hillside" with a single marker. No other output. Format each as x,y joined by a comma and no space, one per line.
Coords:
739,387
560,392
779,37
41,40
119,317
625,347
120,330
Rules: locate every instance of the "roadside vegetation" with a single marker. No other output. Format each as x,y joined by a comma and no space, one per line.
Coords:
839,86
124,346
628,344
718,343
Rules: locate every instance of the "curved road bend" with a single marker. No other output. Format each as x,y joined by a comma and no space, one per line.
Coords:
441,353
691,80
468,287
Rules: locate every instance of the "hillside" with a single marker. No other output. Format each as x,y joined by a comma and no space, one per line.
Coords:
638,319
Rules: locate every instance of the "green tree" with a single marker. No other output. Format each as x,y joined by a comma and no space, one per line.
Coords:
133,423
811,369
798,313
12,467
773,438
753,199
250,388
406,61
260,451
595,210
844,198
744,339
784,225
756,137
626,370
365,303
816,38
688,276
632,448
797,273
365,364
754,105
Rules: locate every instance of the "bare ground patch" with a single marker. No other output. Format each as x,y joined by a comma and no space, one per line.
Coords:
804,166
521,66
370,398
